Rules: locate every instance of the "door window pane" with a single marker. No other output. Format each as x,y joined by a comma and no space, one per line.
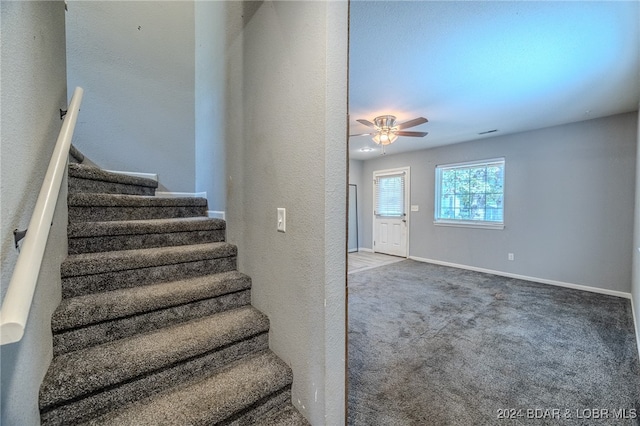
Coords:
390,196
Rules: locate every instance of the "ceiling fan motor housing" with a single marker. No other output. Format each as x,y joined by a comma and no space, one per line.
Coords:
385,121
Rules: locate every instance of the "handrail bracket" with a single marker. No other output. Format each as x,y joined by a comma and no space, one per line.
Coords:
17,236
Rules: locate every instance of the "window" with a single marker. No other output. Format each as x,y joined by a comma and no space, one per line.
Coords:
390,195
470,194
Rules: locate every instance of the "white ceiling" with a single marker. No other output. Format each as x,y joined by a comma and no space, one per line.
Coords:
474,66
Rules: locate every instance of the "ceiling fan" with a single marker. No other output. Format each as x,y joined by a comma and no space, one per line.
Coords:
386,130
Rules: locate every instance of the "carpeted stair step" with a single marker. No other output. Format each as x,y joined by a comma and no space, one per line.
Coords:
96,272
90,382
91,237
232,396
85,207
84,321
84,178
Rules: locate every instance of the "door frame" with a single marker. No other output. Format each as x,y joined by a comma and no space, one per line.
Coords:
407,202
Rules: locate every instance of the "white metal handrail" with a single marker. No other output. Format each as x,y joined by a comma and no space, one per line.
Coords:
19,297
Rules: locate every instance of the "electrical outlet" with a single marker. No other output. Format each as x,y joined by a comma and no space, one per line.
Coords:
510,256
415,208
282,220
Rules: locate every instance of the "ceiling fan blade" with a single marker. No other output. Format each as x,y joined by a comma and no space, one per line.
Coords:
363,134
366,123
414,134
411,123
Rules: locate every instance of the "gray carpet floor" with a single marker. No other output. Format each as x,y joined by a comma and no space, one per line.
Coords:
433,345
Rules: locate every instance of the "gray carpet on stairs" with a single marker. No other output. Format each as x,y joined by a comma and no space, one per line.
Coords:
86,207
140,355
211,400
90,237
96,272
121,260
156,325
433,345
92,179
122,303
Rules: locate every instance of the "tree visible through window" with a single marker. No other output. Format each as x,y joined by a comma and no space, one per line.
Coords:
470,192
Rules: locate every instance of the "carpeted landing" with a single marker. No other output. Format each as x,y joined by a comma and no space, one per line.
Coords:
434,345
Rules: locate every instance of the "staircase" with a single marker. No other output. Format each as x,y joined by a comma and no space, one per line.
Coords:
156,326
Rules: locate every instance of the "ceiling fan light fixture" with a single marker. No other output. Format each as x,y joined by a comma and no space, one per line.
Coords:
385,137
386,130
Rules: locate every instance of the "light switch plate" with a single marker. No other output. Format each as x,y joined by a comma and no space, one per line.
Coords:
415,208
282,219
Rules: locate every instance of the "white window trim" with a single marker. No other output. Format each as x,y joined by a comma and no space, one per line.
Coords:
466,223
469,224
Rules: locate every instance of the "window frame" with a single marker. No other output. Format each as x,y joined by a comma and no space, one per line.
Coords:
483,224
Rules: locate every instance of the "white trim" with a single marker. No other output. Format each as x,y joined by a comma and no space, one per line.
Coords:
470,163
394,171
180,194
152,176
527,278
216,214
463,224
365,249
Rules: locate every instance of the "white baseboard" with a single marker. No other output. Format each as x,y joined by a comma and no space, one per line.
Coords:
152,176
181,194
527,278
367,250
216,214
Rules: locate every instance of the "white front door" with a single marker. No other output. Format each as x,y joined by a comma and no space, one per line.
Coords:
390,219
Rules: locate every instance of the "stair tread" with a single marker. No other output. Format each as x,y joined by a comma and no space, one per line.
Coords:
124,200
199,354
83,171
86,371
134,227
209,400
98,307
101,262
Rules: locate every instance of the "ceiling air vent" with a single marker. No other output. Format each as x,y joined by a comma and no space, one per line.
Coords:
488,131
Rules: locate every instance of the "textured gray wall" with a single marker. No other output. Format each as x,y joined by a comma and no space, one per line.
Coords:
33,88
288,149
569,200
210,98
136,62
